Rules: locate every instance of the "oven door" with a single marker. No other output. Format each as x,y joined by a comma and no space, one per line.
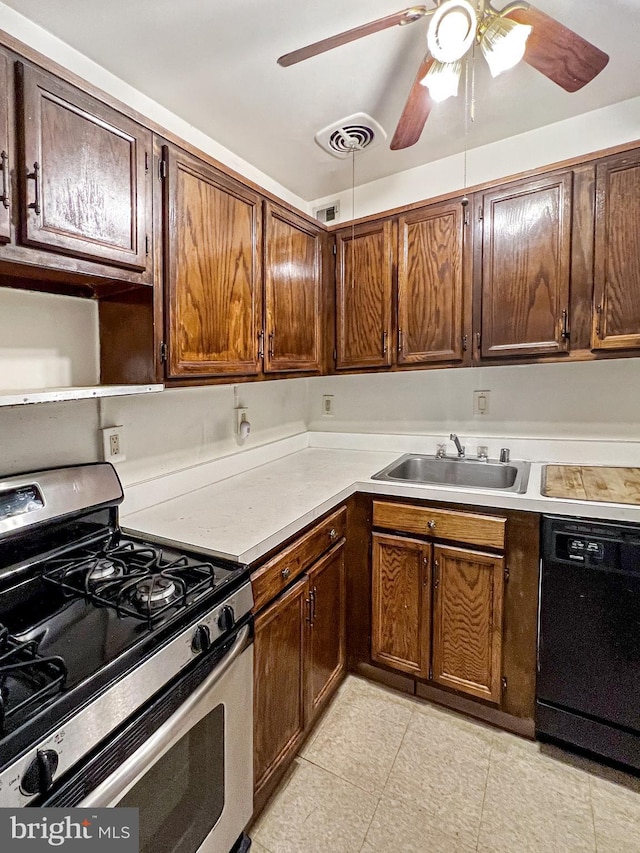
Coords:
192,779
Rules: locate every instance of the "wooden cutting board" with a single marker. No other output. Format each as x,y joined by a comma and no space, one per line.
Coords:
592,483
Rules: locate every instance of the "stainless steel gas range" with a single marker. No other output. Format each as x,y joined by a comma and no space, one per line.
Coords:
126,669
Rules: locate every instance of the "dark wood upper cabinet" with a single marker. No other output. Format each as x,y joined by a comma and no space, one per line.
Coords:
292,272
467,621
6,159
616,297
525,267
83,174
213,283
430,284
364,276
401,603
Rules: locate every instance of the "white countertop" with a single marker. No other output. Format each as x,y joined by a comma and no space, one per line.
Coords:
246,515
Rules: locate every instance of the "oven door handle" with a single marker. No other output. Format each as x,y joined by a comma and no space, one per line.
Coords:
116,786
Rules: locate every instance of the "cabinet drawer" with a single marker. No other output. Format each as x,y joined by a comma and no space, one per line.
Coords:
467,527
269,580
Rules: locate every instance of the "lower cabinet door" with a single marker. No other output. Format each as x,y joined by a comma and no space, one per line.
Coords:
279,682
467,621
401,603
326,659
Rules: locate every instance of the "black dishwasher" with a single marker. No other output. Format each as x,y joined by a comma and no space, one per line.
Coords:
588,689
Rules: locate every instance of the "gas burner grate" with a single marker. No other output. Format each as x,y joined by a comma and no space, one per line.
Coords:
136,580
26,678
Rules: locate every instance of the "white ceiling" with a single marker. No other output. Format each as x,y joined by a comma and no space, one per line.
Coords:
214,64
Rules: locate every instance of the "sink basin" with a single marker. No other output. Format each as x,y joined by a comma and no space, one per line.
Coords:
470,473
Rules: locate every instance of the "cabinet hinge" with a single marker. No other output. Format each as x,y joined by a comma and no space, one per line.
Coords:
335,250
162,169
466,216
146,161
163,351
503,681
507,574
147,244
335,355
480,213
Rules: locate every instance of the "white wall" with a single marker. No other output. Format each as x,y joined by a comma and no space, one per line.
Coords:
597,400
47,341
584,134
39,39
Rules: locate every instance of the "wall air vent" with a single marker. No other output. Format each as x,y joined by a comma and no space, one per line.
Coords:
353,133
329,213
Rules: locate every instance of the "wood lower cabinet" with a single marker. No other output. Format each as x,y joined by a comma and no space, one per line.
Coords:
431,315
525,268
292,273
467,621
299,655
364,278
437,609
84,174
616,297
213,286
279,681
401,602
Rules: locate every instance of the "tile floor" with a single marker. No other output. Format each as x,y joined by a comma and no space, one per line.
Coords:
385,773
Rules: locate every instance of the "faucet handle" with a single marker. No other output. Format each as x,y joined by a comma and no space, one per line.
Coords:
441,451
505,454
482,451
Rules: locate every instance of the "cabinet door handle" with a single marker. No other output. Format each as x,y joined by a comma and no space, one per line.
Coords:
271,337
309,610
431,524
399,340
4,198
599,320
384,343
564,326
285,573
436,574
314,599
465,343
261,343
35,177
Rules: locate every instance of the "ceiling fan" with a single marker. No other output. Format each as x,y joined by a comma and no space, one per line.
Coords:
518,31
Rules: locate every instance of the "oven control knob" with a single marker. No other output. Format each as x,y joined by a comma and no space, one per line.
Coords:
201,639
38,776
226,619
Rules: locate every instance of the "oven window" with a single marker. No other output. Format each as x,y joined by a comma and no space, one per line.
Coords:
182,796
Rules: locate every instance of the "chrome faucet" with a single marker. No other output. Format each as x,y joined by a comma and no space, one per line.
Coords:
454,438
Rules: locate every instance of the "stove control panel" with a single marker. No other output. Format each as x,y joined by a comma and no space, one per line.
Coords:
38,777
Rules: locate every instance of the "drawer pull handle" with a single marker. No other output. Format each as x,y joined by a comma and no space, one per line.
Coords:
332,534
285,573
431,525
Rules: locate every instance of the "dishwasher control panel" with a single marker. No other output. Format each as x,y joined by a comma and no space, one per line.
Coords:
580,549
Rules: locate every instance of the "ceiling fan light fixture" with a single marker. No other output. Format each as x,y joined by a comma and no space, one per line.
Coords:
442,80
503,44
452,30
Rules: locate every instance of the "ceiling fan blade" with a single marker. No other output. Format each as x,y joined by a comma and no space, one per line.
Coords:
558,52
406,16
416,110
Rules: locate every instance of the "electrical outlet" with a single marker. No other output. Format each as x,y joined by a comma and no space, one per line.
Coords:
481,402
327,406
113,444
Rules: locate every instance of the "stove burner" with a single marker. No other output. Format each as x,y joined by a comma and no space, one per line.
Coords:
105,568
155,591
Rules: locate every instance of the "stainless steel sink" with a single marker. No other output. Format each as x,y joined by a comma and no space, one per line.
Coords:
470,473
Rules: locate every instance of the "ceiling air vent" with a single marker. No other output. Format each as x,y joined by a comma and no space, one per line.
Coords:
328,214
353,133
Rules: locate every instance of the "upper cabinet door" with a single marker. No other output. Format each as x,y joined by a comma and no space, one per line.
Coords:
617,254
292,292
430,284
5,153
212,235
364,275
83,174
526,256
